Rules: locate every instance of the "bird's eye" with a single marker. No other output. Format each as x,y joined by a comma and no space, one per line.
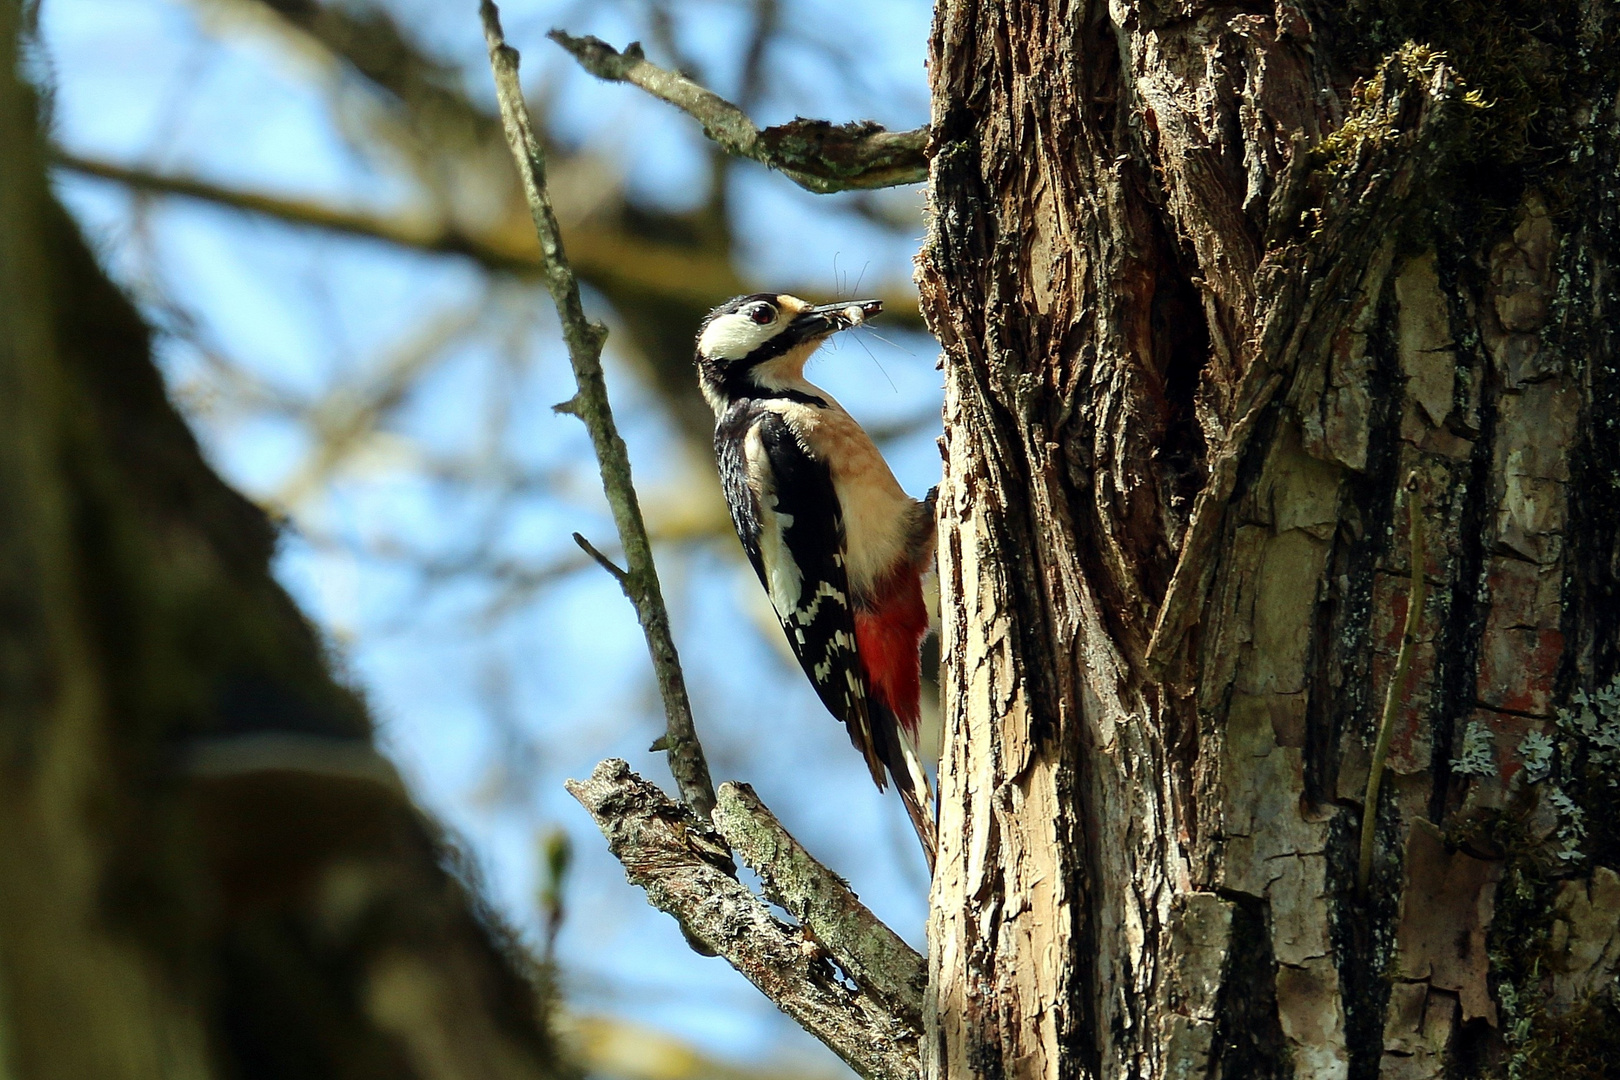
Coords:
763,314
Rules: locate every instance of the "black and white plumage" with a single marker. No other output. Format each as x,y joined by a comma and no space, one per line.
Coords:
838,545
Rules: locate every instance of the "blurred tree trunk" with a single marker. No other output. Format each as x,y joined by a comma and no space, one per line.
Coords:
1213,281
205,868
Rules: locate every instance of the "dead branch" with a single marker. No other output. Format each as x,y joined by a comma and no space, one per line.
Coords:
815,154
686,870
868,951
590,404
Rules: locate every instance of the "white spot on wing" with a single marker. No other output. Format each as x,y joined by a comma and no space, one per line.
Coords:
782,578
824,591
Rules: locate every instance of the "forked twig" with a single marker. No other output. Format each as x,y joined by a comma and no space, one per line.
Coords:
590,404
873,955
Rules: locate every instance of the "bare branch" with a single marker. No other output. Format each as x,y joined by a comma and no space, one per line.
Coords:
868,951
585,340
604,256
353,412
815,154
686,871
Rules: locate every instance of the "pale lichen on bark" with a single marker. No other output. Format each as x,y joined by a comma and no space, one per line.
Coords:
685,866
870,953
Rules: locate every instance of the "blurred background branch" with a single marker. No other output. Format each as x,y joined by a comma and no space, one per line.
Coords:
313,203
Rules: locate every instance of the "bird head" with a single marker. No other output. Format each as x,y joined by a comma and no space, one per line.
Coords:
756,346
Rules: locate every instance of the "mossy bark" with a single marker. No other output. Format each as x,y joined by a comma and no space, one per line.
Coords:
206,870
1213,282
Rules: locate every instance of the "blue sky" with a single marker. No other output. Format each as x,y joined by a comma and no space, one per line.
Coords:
487,715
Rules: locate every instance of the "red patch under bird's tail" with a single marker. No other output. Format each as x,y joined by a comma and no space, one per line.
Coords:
888,637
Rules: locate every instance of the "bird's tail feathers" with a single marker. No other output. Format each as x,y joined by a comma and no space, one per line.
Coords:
864,731
910,777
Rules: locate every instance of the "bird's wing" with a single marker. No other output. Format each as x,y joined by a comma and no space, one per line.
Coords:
792,527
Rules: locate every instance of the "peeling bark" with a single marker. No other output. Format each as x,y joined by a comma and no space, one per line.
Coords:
1207,298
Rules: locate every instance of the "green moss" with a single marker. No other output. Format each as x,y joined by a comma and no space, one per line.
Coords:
1536,70
1366,117
1583,1044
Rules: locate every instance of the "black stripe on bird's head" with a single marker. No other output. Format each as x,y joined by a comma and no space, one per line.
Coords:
757,345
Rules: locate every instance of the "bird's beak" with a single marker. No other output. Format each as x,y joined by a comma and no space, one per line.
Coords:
830,318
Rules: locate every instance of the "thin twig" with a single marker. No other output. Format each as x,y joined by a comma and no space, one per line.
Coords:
817,155
585,339
1396,693
871,954
686,870
605,563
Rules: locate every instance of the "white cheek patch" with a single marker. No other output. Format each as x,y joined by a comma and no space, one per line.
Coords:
732,337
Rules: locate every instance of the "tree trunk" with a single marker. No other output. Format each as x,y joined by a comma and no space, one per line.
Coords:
1223,291
206,870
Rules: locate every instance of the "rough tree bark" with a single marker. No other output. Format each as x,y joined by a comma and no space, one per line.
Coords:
1213,281
206,870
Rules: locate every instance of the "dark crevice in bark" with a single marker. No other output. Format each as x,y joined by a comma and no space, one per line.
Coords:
1363,936
1100,80
1589,301
1592,589
1345,707
1462,620
1322,730
1472,1051
1362,931
1363,543
1251,466
1181,348
1248,1042
1079,1029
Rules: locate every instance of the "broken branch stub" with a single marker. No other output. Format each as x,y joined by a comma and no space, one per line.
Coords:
815,154
686,870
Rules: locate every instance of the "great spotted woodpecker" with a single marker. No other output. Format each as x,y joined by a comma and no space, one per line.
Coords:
840,548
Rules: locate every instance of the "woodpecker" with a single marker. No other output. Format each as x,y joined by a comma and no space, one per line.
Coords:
839,546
